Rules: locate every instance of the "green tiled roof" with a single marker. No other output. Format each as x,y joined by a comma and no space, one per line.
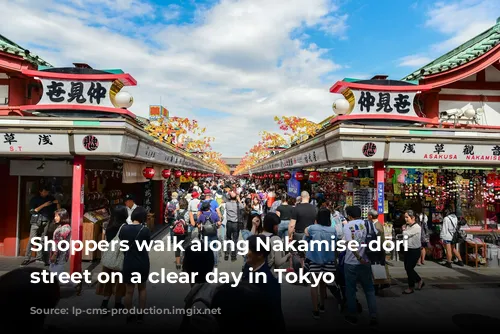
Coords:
8,46
463,54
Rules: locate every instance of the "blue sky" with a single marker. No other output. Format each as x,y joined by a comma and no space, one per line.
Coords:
235,64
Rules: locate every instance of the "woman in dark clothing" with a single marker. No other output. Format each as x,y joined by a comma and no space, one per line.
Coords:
136,261
118,218
180,229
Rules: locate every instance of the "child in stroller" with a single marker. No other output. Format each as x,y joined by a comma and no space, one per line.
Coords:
338,287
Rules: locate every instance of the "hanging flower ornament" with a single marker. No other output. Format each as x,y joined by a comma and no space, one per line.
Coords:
296,130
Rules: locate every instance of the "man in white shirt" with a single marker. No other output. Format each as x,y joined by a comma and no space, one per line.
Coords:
357,267
129,201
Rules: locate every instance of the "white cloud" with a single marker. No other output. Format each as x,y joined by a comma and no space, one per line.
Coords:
414,61
172,12
238,58
461,20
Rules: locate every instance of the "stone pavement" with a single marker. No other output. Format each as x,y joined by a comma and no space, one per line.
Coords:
441,304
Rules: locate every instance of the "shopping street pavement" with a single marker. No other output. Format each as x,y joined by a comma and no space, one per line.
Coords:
450,297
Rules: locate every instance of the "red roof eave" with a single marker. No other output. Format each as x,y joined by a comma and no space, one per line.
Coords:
463,71
340,85
125,78
120,111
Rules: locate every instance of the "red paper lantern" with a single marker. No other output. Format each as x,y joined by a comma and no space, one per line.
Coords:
277,175
271,176
314,177
299,176
166,173
148,172
287,176
178,173
188,174
198,174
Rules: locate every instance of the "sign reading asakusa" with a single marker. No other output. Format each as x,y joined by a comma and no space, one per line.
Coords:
411,151
77,92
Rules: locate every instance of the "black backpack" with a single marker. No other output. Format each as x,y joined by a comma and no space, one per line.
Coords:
375,256
209,228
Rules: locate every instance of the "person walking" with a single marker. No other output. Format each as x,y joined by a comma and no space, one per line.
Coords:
234,216
413,232
357,267
136,261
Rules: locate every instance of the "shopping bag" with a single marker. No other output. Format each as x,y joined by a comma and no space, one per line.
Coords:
379,272
113,258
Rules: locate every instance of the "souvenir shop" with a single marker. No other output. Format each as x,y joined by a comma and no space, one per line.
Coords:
462,179
91,182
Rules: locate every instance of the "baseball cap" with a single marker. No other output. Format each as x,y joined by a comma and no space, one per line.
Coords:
195,194
129,197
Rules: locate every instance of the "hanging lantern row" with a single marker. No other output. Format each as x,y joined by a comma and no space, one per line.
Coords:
313,177
149,173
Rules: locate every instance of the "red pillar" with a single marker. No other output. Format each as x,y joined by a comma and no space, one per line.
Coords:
77,198
379,175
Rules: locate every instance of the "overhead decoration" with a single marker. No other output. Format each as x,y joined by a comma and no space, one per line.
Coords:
296,130
185,134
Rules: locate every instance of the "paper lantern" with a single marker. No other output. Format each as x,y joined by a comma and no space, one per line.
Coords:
299,176
314,177
166,173
148,172
188,174
287,176
271,175
178,173
277,175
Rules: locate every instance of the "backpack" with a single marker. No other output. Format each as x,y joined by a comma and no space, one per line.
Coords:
199,301
180,224
209,228
171,207
375,256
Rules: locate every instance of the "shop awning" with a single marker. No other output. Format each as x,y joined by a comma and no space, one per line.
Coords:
94,138
354,144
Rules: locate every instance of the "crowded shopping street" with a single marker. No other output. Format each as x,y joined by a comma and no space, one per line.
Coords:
249,165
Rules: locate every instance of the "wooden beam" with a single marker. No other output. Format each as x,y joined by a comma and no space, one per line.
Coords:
481,76
469,98
497,65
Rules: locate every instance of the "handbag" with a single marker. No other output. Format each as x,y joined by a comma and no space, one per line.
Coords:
113,258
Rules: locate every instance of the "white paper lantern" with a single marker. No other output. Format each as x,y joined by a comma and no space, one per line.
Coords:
124,100
341,106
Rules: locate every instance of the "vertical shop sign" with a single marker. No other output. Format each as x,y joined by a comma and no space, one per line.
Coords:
293,187
380,197
147,196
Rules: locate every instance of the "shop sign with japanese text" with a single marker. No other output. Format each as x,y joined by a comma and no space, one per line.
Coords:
347,150
369,102
444,152
34,143
309,158
74,92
